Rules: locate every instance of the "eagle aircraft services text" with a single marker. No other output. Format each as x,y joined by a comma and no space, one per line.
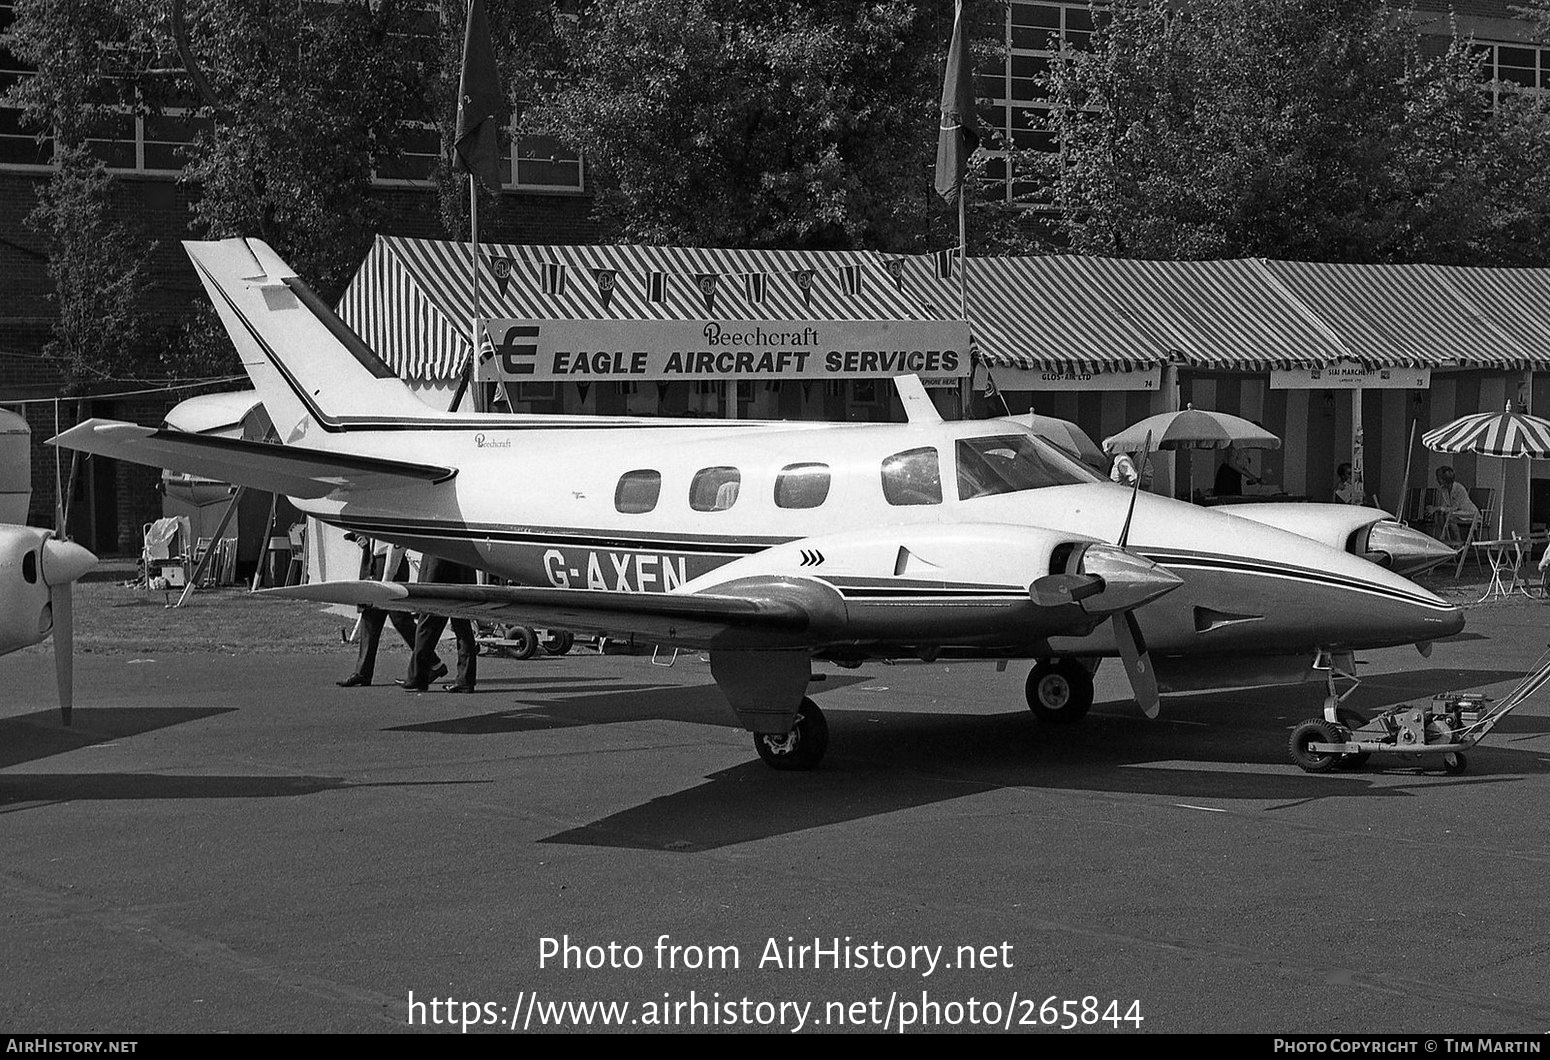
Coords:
834,953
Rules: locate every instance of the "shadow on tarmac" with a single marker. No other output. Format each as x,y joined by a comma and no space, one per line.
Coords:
1222,746
41,734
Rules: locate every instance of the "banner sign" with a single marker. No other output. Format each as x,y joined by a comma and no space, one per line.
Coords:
582,351
1350,375
1075,379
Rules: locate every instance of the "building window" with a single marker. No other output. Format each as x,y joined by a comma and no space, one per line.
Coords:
1514,67
1016,107
19,146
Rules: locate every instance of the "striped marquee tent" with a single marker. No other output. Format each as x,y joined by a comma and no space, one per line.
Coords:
410,301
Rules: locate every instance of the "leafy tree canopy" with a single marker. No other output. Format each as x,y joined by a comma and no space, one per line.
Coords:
1311,129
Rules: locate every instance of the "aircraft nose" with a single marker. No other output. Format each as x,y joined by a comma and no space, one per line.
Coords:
1129,580
1409,551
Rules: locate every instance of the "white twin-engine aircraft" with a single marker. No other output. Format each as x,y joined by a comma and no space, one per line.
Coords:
772,544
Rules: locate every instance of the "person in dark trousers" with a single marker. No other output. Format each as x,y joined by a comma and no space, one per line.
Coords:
375,558
423,665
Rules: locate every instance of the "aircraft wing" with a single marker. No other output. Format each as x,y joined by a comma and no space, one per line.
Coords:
767,612
292,470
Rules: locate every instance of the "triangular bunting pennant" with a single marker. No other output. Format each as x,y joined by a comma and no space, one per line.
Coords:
895,268
607,279
503,268
706,282
804,279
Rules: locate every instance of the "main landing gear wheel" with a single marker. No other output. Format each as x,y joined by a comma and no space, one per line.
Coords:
1316,730
802,747
1059,691
1353,720
1454,763
557,643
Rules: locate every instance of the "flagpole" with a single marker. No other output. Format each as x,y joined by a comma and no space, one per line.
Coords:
473,348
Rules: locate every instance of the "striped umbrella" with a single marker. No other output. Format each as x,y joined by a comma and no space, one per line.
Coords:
1493,434
1191,428
1505,434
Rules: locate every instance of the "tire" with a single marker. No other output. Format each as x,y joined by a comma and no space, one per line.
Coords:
1352,720
1059,691
557,643
1454,763
800,749
1315,730
525,642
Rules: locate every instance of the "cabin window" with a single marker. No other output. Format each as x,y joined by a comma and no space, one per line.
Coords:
912,477
714,489
638,491
802,486
1010,463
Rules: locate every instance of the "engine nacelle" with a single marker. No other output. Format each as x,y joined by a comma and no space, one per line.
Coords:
25,615
1370,533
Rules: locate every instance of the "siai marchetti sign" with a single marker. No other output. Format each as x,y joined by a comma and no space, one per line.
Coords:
532,351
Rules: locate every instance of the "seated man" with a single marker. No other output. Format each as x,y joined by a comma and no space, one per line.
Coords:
1454,511
1346,489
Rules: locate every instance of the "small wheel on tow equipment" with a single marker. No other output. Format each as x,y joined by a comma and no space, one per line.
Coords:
1315,730
802,747
558,642
1454,763
524,642
1352,720
1059,691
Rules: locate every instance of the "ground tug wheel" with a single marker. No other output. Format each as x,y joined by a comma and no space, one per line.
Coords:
1315,730
557,642
524,642
1059,691
802,747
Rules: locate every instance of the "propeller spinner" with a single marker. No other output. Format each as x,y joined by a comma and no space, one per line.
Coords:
37,571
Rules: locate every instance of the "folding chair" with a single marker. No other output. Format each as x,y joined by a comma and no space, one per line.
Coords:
296,570
1450,535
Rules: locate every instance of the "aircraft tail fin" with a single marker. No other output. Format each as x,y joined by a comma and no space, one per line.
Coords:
312,372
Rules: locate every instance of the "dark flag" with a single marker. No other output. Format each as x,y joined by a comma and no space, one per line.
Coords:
706,282
481,103
959,134
804,278
850,279
656,286
944,263
606,281
554,278
895,268
755,285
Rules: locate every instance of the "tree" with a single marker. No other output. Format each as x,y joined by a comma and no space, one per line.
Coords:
764,123
1311,129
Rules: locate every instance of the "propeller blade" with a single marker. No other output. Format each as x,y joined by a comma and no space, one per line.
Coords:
1135,488
1056,590
59,598
1138,663
60,564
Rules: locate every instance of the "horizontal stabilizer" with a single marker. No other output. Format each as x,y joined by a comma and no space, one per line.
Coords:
685,619
292,470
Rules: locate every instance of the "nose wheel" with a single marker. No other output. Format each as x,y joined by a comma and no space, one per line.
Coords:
801,748
1059,691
